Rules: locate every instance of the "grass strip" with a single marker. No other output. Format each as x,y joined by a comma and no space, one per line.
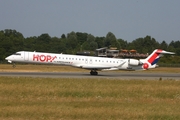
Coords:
68,98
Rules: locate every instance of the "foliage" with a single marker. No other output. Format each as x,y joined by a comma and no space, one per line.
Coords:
148,43
12,41
111,41
90,43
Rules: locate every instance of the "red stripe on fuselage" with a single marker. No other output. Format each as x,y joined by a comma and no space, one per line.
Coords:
154,56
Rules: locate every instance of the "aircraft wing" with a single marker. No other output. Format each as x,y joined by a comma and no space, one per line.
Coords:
96,67
99,67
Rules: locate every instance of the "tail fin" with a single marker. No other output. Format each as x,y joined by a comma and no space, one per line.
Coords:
154,57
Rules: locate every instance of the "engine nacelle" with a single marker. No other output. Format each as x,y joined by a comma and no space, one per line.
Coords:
134,62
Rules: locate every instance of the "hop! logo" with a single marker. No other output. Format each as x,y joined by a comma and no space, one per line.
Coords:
43,58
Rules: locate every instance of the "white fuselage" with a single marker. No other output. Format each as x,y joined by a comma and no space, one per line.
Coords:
86,62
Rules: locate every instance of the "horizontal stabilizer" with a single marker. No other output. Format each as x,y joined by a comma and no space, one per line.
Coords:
165,52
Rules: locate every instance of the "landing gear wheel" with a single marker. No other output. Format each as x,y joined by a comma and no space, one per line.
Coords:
94,72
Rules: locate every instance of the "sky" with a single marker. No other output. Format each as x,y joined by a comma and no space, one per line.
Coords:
126,19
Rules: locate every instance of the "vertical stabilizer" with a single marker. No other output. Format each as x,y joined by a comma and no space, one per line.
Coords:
153,58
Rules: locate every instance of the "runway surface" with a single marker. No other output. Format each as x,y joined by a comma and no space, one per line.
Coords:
106,75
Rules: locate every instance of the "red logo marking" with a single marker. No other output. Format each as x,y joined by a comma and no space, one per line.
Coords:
145,66
43,58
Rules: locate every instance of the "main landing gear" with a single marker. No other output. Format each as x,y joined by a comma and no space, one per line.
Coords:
94,72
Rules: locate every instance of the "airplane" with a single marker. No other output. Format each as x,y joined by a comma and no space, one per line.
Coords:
91,63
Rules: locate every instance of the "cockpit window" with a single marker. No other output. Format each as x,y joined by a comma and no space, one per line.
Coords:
17,54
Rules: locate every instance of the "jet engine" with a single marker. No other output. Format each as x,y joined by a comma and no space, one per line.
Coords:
134,62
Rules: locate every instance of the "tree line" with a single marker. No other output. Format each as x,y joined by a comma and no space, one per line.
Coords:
12,41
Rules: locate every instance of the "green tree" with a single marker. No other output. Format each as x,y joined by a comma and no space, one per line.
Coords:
144,45
11,41
123,44
100,41
164,45
42,43
174,46
111,41
63,36
82,37
72,42
57,45
30,43
90,43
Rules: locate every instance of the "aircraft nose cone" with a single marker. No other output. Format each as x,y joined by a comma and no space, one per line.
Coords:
6,58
